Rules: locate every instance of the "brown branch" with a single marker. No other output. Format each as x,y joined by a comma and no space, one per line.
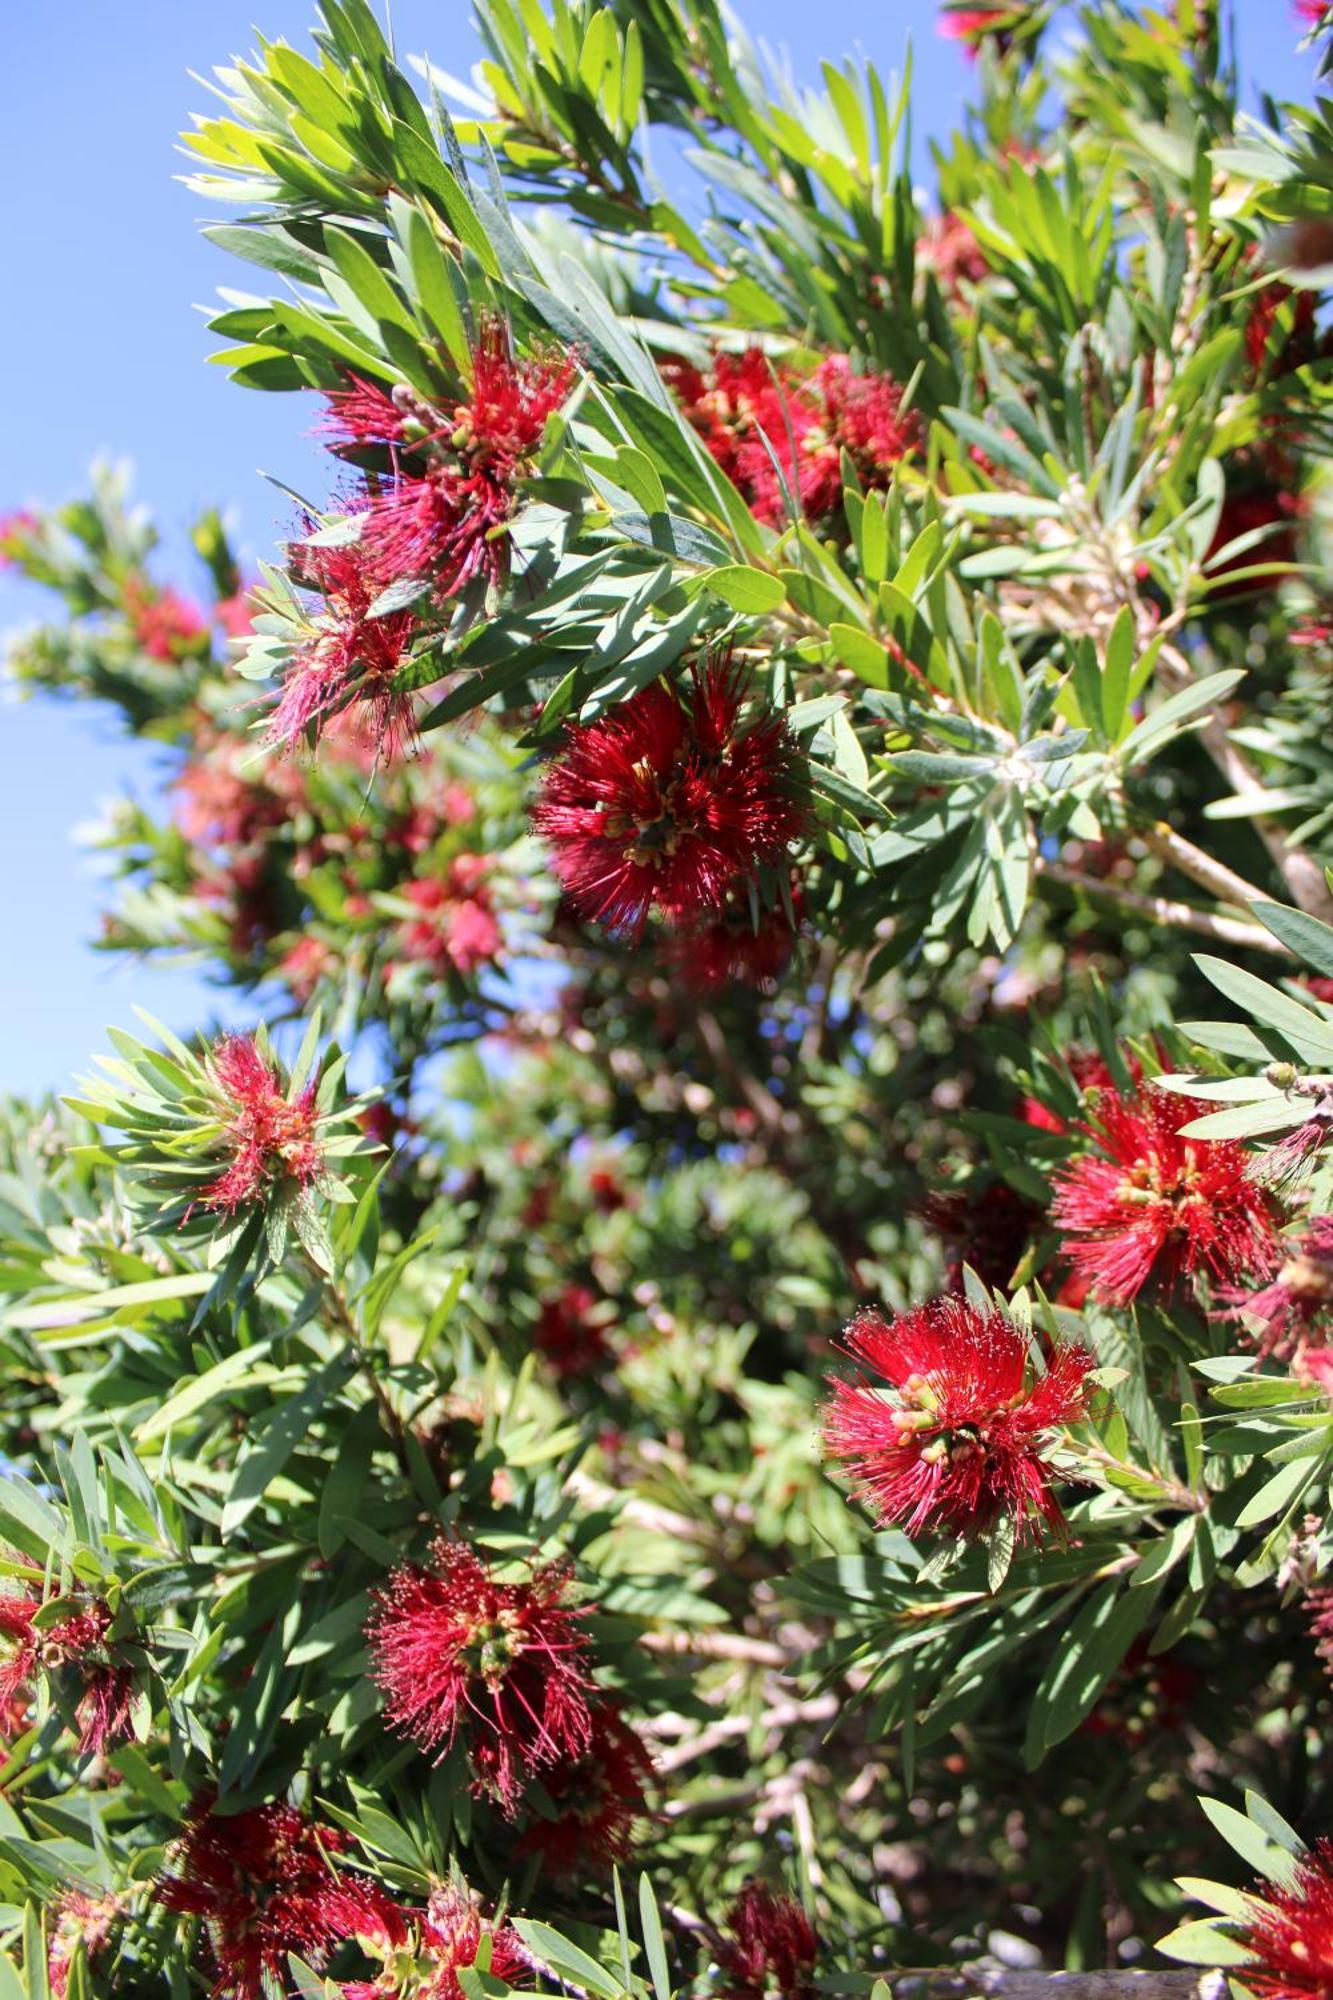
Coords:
719,1646
1160,910
1300,871
1214,876
1003,1983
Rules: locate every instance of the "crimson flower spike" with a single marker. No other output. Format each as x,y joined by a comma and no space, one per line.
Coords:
670,802
1150,1203
962,1436
502,1665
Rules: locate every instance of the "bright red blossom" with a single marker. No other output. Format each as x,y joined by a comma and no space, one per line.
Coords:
457,1651
265,1884
457,929
1291,1933
361,413
18,1660
270,1141
597,1799
1295,1303
770,1947
962,1436
569,1332
77,1650
165,624
751,412
424,1950
447,521
732,950
668,804
1152,1204
79,1919
350,653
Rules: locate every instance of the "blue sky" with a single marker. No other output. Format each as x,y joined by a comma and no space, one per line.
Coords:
103,353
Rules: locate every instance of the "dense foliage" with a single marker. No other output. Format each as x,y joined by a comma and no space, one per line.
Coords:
734,1391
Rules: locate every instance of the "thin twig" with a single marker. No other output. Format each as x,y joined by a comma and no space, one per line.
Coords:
1300,871
719,1646
1161,910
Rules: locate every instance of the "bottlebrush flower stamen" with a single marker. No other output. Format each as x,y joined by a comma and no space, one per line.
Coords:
1151,1203
963,1435
1290,1934
670,802
264,1884
769,1947
457,1651
272,1141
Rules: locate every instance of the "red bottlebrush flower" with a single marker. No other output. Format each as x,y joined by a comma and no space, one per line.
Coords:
752,412
727,407
438,1942
949,248
1295,1303
974,26
362,413
770,1947
1310,13
235,615
18,1660
503,1664
1319,1614
989,1231
79,1919
217,807
16,531
78,1645
304,965
1290,1933
730,951
449,522
607,1193
349,655
1153,1204
963,1438
1300,344
265,1885
457,929
568,1334
597,1798
76,1648
1315,1365
165,624
271,1142
1090,1072
668,804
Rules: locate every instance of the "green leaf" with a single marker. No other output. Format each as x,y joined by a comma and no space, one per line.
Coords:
223,1378
1085,1658
430,274
566,1959
268,1450
1176,713
752,591
1252,1844
1308,1032
1202,1943
1279,1493
1310,939
652,1940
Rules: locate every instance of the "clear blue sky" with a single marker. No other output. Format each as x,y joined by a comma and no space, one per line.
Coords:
103,352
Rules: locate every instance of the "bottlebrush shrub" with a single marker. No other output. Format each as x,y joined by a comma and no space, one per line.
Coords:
786,1432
